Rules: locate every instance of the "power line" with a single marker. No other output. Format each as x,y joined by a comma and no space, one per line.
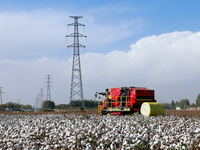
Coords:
109,17
149,16
86,7
96,9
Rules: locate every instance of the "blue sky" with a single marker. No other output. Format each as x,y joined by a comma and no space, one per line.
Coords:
120,34
142,17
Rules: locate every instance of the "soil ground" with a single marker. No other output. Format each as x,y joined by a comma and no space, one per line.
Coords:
50,112
167,112
182,112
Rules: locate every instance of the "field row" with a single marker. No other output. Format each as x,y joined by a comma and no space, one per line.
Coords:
69,131
167,112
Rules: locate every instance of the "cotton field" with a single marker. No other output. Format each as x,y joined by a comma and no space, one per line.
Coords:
63,131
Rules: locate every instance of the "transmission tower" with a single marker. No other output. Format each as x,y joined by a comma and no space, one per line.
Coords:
41,97
37,102
48,87
1,101
76,92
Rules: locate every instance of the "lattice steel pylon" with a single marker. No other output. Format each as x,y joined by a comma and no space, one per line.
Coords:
76,92
48,87
41,97
1,100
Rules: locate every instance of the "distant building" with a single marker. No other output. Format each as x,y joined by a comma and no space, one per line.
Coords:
13,109
193,108
178,108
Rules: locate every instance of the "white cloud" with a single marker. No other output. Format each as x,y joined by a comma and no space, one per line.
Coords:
168,63
27,36
108,32
42,32
22,80
29,33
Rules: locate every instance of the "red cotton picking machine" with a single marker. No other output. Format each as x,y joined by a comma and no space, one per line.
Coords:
128,100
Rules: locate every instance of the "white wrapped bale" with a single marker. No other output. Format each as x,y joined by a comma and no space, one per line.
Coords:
152,109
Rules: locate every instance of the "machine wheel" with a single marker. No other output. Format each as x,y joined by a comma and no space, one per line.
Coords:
104,112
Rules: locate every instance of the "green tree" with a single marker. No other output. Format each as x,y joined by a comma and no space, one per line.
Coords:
12,105
26,107
193,105
172,104
75,104
90,104
167,106
184,103
2,107
62,106
177,104
198,101
47,104
87,103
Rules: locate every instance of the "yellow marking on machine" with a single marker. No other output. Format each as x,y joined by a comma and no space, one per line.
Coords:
126,109
118,109
100,109
143,100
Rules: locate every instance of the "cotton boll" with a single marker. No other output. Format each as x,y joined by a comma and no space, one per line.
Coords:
117,130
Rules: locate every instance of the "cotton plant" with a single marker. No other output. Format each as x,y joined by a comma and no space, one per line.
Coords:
89,132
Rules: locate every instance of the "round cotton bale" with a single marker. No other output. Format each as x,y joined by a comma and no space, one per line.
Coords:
152,109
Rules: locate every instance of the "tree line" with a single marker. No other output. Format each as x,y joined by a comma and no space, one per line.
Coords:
49,105
46,105
11,105
86,103
183,104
